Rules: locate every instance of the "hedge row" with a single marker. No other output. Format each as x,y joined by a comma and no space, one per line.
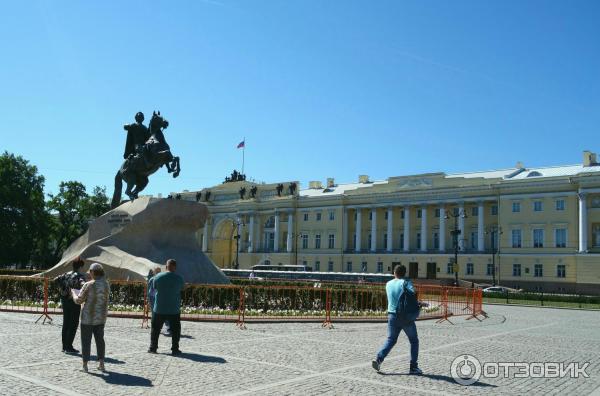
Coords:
523,296
199,298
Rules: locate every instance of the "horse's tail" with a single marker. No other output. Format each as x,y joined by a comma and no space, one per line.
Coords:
116,200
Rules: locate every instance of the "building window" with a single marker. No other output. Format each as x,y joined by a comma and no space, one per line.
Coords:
474,211
419,213
538,238
516,269
437,212
330,266
490,269
455,211
538,270
369,242
304,241
305,216
561,271
317,266
318,241
516,238
473,240
402,214
385,241
516,207
385,216
418,240
363,266
469,268
560,204
319,216
331,215
304,263
349,266
355,215
354,242
380,267
331,241
449,268
560,236
537,206
402,241
494,210
371,215
436,240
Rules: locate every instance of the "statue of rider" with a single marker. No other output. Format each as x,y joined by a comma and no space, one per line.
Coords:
137,135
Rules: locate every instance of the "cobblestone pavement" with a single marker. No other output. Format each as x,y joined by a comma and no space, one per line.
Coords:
302,358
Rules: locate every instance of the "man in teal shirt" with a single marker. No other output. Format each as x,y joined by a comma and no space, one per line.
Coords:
394,289
167,303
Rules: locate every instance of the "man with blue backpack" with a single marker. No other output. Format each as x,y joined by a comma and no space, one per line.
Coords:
403,310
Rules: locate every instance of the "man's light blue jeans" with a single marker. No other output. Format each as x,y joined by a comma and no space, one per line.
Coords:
395,326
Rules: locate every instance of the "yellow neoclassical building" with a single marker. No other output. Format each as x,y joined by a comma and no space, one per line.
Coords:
530,228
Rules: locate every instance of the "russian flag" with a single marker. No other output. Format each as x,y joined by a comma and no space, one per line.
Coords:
242,144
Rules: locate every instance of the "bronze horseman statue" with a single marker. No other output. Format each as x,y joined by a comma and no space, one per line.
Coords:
146,150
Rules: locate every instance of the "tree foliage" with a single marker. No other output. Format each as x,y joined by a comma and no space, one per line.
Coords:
34,231
22,216
72,209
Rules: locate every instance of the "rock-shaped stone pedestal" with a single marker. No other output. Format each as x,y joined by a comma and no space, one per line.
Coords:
142,234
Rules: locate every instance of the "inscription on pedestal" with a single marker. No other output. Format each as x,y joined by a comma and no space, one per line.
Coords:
118,220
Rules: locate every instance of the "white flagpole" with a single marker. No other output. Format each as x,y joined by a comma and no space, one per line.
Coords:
243,153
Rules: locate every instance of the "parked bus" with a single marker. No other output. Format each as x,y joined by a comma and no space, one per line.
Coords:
294,268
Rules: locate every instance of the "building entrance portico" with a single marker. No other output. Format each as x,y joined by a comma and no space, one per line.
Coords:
223,243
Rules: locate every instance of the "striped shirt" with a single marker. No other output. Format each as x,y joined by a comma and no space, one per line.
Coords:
94,297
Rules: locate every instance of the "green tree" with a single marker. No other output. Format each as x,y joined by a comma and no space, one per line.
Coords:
22,217
72,209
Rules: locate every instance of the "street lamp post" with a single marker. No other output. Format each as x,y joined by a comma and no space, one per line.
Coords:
296,236
238,222
495,233
455,234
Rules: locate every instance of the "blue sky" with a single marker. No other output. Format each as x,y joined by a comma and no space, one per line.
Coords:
318,88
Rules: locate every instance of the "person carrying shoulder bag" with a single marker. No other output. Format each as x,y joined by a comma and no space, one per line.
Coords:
403,310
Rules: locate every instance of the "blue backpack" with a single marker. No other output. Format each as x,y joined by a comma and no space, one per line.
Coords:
408,306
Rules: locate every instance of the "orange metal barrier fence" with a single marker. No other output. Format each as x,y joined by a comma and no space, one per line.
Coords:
249,303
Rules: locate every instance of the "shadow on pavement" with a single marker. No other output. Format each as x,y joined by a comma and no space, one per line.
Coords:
194,357
107,360
445,378
111,377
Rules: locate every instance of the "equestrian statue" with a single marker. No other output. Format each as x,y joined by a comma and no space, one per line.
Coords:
146,150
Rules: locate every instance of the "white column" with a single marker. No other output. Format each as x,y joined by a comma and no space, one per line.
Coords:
406,228
358,228
442,228
424,229
480,225
345,230
374,229
251,234
390,228
461,226
583,234
289,242
205,237
276,242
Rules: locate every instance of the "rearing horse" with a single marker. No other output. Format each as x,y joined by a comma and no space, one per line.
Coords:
147,160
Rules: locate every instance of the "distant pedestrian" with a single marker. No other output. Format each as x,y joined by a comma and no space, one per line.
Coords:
394,290
94,297
70,280
167,305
